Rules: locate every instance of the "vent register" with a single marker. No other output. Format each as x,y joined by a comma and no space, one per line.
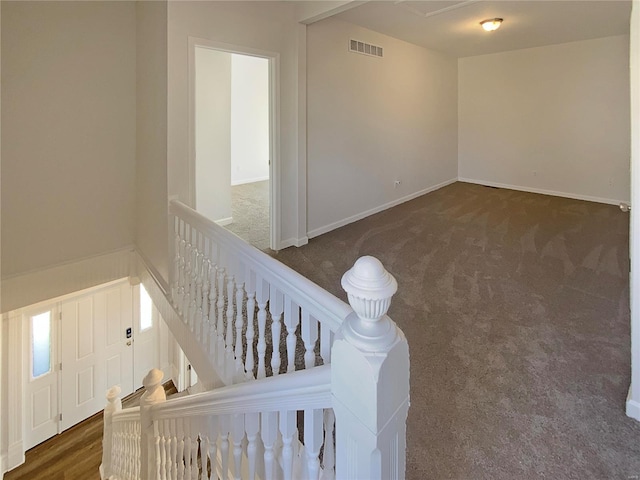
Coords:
363,48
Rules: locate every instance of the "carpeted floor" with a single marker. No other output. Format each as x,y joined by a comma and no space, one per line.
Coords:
250,210
515,306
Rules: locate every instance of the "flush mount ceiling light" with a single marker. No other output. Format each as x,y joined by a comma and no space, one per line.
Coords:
491,24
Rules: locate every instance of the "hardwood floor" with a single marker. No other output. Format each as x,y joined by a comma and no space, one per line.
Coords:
76,453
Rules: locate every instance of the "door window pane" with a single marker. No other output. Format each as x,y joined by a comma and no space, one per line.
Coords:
41,344
145,309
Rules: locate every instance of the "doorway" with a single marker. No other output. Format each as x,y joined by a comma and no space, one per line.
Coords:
233,140
78,346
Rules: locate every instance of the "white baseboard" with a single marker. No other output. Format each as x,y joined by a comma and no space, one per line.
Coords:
293,242
15,456
542,191
223,222
633,407
52,282
354,218
249,180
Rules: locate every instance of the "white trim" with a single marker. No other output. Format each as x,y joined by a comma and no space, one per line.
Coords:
301,207
274,124
15,456
15,390
293,242
360,216
223,222
633,402
633,406
249,180
575,196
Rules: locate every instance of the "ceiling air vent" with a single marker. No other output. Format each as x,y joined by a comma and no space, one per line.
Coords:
357,46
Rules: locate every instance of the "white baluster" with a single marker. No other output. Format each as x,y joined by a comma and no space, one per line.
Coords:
309,337
252,427
213,299
168,462
239,367
181,274
206,269
276,301
313,441
174,449
237,435
269,432
229,362
188,445
186,298
180,452
192,286
213,446
288,430
220,325
198,303
175,281
159,452
224,444
329,454
262,296
195,447
291,321
250,335
205,448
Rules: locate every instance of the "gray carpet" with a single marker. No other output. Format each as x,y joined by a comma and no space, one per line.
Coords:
250,210
515,306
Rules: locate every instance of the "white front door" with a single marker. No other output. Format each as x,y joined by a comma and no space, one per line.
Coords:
96,352
41,391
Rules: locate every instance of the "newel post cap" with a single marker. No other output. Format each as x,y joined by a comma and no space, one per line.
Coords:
113,393
369,288
153,378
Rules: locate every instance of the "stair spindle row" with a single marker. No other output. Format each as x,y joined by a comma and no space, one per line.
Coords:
252,445
249,328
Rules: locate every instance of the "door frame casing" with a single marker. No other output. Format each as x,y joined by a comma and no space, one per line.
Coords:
274,126
54,359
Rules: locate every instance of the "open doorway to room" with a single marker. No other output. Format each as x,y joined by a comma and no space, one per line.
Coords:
233,140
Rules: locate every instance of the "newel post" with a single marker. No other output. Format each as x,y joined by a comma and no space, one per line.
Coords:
114,404
370,379
153,394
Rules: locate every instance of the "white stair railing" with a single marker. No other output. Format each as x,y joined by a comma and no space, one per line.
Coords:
125,445
268,333
253,316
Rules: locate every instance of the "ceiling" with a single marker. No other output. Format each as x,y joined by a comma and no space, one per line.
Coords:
453,27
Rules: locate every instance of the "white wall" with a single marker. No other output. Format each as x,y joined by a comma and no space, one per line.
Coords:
213,133
552,119
257,25
151,145
372,121
249,119
633,400
69,131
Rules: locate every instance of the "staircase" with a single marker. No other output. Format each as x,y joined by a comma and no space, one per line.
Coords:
300,385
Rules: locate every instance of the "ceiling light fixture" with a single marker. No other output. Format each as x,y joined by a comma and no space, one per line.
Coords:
492,24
